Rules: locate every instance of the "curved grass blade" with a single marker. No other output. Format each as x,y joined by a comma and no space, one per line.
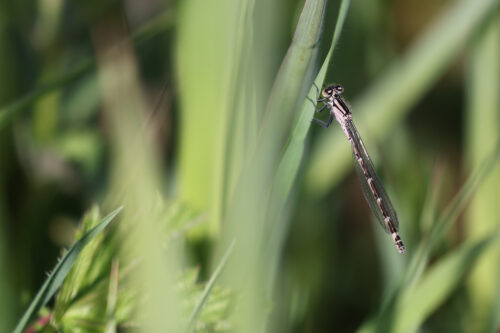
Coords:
57,276
286,94
294,75
112,299
414,306
421,257
437,284
208,289
391,97
290,162
246,216
450,215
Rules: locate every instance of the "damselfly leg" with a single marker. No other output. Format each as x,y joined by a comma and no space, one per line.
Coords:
322,123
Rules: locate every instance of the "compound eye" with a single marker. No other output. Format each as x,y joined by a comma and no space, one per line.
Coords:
327,92
339,89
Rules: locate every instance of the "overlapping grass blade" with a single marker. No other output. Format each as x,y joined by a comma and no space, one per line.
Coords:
449,216
414,305
390,98
413,275
57,276
437,284
292,157
246,217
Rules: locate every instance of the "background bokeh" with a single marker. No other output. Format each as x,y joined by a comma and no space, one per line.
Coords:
176,110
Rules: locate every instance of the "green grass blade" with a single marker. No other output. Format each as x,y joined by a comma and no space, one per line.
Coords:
57,276
449,216
421,255
413,306
390,98
463,197
437,284
217,126
292,157
246,217
295,75
208,289
9,111
112,299
290,161
287,93
85,267
430,206
482,132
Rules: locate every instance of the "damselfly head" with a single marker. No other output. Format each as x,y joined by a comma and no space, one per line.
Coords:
332,90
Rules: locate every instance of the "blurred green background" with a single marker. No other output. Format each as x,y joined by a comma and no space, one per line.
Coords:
192,115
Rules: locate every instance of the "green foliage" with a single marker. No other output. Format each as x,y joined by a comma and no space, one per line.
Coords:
483,133
98,294
61,270
262,229
82,300
385,103
432,290
212,303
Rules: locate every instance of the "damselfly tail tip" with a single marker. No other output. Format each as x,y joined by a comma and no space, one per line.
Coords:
399,243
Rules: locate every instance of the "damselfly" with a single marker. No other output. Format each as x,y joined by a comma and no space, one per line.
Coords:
373,190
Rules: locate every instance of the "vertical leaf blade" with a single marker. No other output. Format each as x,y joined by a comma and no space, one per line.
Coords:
483,128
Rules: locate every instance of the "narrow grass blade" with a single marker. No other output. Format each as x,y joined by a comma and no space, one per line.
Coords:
437,284
430,205
23,103
428,244
414,305
9,111
208,289
112,300
449,216
57,276
85,268
390,98
464,196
